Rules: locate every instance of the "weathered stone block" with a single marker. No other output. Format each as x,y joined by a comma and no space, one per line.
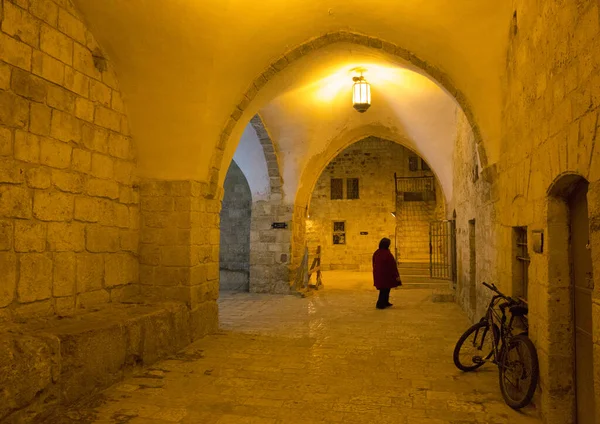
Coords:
65,127
38,177
5,76
35,277
84,62
150,254
92,298
88,209
123,171
55,153
102,188
102,239
15,52
28,367
84,109
14,110
27,147
6,142
100,93
66,236
21,25
95,138
15,202
82,160
107,118
120,269
8,277
48,67
71,26
39,119
77,82
102,166
6,235
129,240
29,86
56,44
61,99
53,205
30,236
118,146
45,10
90,272
64,274
10,171
71,182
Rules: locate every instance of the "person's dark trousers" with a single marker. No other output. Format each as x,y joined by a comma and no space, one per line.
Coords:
384,298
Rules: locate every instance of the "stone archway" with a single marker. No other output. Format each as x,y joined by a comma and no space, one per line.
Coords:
270,247
569,382
338,37
235,219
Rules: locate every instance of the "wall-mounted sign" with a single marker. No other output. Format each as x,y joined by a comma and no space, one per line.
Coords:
538,241
364,233
279,225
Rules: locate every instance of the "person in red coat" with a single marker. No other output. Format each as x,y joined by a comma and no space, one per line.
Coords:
385,273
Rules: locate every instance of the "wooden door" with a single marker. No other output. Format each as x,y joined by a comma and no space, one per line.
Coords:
583,285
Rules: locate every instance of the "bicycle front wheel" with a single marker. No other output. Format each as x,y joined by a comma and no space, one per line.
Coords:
474,347
518,371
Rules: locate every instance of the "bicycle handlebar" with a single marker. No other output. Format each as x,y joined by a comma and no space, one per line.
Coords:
493,288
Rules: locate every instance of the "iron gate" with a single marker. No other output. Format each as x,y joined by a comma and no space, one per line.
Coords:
442,250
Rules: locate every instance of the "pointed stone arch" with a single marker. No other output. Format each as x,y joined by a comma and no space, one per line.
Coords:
441,77
271,154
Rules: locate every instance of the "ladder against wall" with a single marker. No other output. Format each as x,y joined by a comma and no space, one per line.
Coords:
304,272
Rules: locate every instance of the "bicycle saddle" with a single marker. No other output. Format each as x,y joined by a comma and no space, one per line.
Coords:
519,310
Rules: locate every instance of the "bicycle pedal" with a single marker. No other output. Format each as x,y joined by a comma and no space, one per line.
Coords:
478,360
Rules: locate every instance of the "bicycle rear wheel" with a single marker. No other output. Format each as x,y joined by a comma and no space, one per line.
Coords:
474,347
518,371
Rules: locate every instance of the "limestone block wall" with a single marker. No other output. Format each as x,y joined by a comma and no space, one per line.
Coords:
236,208
270,254
549,129
69,212
179,247
374,162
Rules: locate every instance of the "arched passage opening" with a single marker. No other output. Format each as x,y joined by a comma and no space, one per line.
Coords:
374,188
235,220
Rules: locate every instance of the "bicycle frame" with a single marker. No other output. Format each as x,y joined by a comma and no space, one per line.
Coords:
498,320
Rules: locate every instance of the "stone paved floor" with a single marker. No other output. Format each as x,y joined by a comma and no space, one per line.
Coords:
329,358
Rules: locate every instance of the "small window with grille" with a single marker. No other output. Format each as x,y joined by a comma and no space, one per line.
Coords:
352,188
337,188
424,166
413,163
339,232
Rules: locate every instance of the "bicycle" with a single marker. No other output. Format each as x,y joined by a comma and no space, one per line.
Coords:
512,351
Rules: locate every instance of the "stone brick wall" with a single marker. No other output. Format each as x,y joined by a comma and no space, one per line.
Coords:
374,162
236,208
69,214
550,126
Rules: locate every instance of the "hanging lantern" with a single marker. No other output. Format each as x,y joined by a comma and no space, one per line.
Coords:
361,94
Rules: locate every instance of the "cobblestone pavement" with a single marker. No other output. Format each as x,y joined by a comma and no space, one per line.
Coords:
328,358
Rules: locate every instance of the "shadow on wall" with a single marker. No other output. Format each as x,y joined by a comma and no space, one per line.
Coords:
234,254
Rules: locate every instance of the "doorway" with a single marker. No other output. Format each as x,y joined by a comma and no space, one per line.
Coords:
582,283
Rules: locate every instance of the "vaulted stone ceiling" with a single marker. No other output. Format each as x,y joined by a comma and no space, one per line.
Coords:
184,66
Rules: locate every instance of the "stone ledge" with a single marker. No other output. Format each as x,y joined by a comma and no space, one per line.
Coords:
56,361
443,295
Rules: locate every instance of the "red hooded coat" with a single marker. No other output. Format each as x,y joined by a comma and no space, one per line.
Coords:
385,271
